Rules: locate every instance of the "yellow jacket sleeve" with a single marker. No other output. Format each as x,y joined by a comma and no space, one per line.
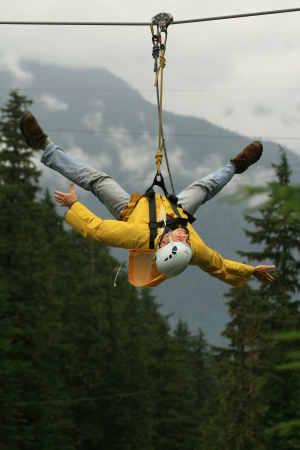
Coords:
108,232
134,234
230,272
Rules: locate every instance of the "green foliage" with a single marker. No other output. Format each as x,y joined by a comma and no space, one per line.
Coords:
26,305
279,234
286,197
278,230
83,365
237,423
259,388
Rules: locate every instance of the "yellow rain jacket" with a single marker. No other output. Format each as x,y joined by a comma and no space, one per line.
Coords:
132,232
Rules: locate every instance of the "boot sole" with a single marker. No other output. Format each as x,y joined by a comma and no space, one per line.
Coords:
24,115
261,148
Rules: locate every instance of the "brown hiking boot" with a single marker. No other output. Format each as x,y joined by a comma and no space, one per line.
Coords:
250,155
33,133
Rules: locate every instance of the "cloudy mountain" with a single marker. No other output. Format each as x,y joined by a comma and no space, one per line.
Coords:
100,119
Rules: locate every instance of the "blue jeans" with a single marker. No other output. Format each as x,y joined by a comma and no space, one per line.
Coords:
110,193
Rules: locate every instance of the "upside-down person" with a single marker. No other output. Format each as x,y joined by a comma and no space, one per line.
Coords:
160,247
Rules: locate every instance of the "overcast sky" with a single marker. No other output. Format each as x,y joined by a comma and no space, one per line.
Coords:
240,74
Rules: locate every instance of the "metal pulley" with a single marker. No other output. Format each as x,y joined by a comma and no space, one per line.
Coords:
162,21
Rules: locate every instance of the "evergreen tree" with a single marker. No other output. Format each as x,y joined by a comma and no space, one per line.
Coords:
253,392
182,417
278,232
82,365
24,296
237,423
201,361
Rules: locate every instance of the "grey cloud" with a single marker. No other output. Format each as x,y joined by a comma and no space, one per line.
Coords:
289,120
228,111
53,104
261,110
11,64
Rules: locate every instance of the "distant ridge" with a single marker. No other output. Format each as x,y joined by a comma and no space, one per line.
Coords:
69,101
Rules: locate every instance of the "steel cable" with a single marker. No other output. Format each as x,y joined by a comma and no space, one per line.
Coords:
176,22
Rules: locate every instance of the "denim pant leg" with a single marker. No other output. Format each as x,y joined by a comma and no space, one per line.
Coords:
205,189
104,187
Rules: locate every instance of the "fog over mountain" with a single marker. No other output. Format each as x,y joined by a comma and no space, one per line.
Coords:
106,123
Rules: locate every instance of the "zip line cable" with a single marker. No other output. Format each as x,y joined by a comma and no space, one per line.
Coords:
162,49
176,22
148,133
129,89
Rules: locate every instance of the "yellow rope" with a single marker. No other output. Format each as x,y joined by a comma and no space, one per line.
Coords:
159,156
162,65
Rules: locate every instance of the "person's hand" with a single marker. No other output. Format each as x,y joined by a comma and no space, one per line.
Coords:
66,198
262,274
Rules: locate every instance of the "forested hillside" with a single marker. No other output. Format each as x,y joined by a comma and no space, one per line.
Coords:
105,122
84,365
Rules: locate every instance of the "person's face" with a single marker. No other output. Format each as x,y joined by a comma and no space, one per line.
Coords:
178,235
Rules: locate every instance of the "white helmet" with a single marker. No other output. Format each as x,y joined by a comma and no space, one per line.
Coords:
173,258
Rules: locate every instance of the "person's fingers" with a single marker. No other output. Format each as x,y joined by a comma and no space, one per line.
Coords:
269,277
61,198
262,274
65,198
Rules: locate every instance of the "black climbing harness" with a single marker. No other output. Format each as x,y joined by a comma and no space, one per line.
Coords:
170,222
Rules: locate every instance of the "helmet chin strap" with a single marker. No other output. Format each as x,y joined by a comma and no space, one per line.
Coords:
170,237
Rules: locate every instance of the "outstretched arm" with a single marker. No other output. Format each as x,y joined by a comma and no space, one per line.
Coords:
66,198
109,232
230,272
262,274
